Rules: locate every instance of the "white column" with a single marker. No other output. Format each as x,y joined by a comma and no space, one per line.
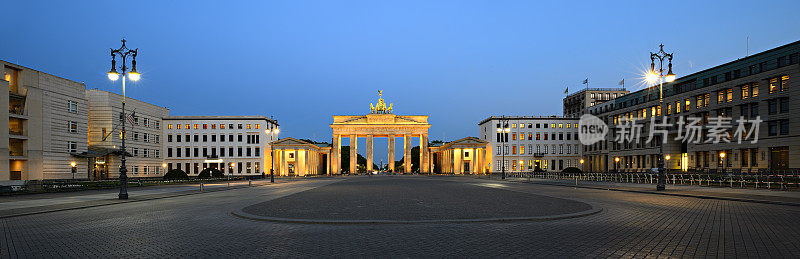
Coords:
285,163
423,153
391,152
407,153
369,153
353,154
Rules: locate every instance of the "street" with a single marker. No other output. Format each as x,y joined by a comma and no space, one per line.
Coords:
202,225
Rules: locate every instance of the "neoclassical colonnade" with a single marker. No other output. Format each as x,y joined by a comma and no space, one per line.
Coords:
464,156
300,158
376,125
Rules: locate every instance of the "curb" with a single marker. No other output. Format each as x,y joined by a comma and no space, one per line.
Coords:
113,201
241,214
668,194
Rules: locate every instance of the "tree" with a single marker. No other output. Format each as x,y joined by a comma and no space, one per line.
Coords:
414,161
361,161
210,172
572,170
176,174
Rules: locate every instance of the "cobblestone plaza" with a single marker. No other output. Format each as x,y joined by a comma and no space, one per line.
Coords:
628,224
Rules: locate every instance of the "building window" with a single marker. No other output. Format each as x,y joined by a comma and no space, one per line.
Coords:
773,106
205,126
773,85
73,107
72,147
169,126
784,127
773,128
745,90
784,83
73,127
729,94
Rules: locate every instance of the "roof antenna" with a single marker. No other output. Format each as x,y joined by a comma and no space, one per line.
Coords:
747,54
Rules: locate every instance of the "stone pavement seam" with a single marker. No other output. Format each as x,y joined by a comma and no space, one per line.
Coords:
107,202
241,214
664,193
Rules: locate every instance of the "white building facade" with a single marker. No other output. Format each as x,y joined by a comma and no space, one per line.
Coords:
47,125
236,145
144,136
531,143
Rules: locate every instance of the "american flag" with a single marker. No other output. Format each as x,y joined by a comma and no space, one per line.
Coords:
130,118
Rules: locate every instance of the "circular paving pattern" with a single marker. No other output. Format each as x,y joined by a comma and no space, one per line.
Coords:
405,199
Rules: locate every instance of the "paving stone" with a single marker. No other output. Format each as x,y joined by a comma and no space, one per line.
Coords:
631,225
412,198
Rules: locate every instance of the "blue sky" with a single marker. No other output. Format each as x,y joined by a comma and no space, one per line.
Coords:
457,61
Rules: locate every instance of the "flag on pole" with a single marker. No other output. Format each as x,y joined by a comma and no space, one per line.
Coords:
566,90
622,82
586,81
130,118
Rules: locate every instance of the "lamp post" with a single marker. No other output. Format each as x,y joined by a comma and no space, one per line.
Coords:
233,167
123,52
504,129
722,160
658,76
272,133
616,164
74,169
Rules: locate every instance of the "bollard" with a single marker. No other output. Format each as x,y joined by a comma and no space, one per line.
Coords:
201,187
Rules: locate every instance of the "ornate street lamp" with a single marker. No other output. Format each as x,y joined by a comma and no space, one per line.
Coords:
504,128
123,52
658,76
73,169
272,133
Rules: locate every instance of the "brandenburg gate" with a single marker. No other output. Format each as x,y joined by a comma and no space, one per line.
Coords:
380,123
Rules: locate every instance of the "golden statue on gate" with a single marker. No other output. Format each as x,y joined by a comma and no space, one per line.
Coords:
380,108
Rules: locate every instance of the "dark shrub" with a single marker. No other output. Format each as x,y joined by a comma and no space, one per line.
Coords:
571,170
176,174
210,172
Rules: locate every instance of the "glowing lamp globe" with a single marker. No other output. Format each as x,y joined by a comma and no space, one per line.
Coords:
113,76
134,76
